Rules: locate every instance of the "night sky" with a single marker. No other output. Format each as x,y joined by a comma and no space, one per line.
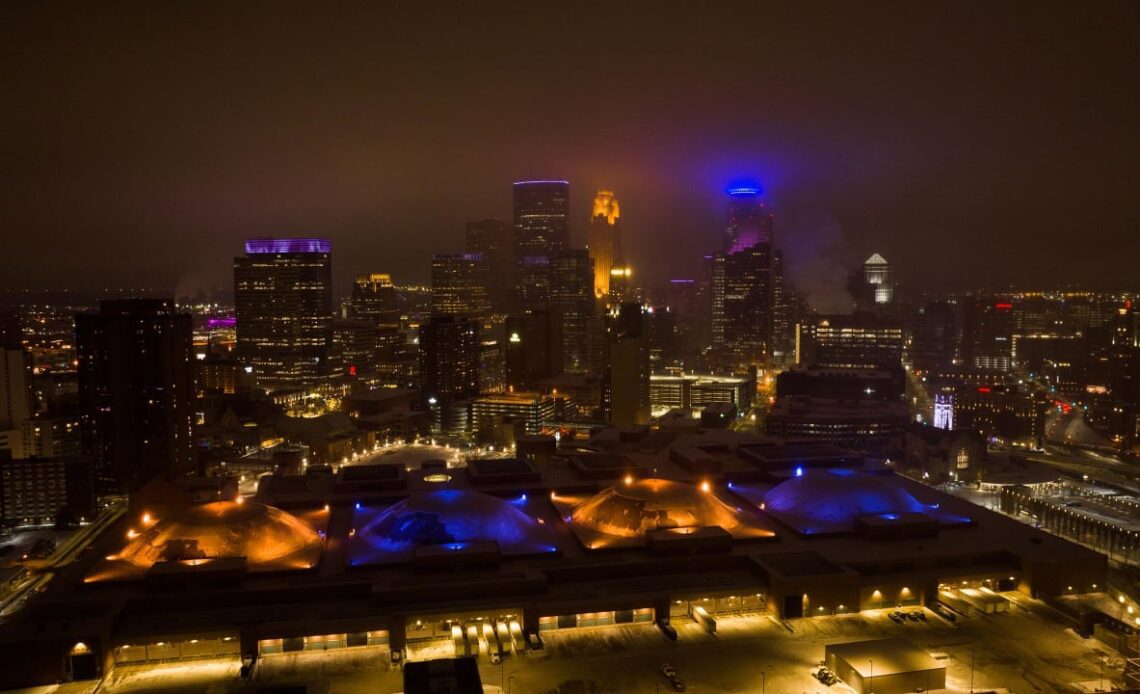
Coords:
971,144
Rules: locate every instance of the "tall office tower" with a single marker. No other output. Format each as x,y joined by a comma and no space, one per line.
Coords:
749,222
743,311
621,284
542,228
781,345
533,348
742,306
604,241
875,286
459,285
356,343
15,375
449,358
283,296
374,298
494,240
626,387
572,302
987,334
935,336
136,390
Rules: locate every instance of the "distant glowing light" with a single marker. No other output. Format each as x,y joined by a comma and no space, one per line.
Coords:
799,471
629,479
297,245
743,190
705,486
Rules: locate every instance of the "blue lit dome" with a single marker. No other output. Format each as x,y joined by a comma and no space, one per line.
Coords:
831,500
450,516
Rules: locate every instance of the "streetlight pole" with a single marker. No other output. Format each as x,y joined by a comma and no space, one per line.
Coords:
763,682
871,677
971,671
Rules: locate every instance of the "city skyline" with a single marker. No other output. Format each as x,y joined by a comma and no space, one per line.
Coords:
497,348
987,153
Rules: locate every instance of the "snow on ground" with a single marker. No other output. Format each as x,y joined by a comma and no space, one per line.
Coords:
1026,650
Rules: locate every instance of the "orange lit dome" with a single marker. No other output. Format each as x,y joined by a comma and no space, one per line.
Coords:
266,536
631,510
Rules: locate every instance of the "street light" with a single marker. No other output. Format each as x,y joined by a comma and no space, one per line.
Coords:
971,671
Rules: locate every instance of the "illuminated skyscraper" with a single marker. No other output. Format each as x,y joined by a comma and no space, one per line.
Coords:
449,358
374,299
749,222
874,286
744,292
283,297
604,240
136,390
542,228
459,285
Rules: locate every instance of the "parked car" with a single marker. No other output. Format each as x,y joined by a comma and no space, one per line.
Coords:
944,612
897,617
921,614
912,616
668,630
678,684
668,670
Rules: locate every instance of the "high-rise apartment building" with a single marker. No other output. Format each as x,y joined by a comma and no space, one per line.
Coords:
136,390
541,229
493,239
604,241
283,297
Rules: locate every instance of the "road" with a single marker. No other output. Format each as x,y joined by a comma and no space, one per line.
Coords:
40,572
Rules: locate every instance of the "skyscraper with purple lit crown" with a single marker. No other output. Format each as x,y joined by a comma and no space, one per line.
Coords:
283,297
744,288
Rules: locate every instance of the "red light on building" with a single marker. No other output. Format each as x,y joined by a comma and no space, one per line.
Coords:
983,389
1003,306
352,369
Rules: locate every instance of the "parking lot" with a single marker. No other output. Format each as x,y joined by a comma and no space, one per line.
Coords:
1025,650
